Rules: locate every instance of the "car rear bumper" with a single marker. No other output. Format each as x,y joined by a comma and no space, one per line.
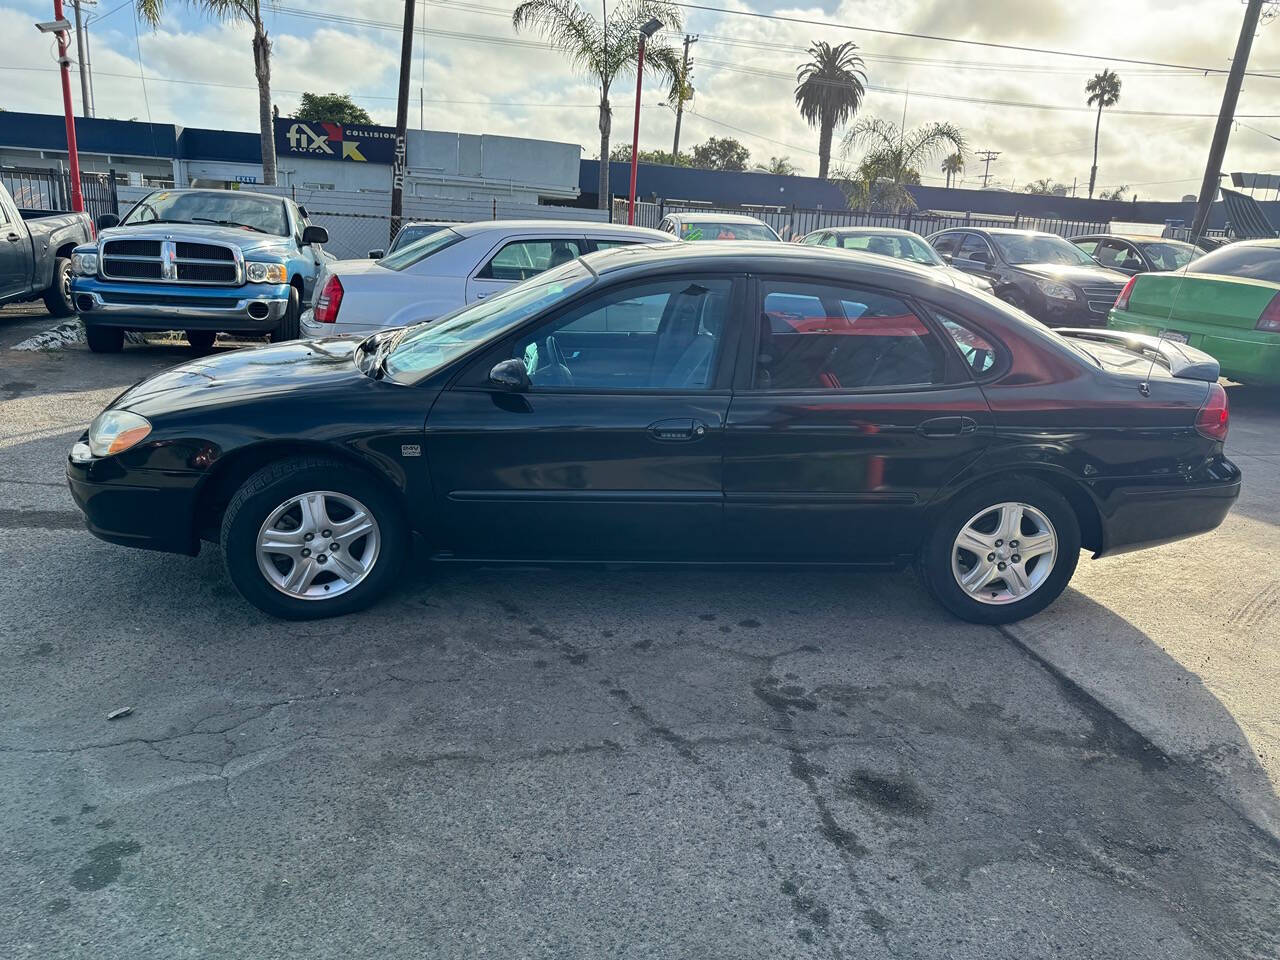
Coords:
1249,356
315,331
252,308
1137,516
126,509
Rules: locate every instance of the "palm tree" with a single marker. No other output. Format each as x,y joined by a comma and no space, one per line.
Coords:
952,166
604,50
893,158
829,90
1104,90
251,12
779,165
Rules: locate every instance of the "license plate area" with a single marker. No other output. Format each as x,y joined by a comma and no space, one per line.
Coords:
1175,336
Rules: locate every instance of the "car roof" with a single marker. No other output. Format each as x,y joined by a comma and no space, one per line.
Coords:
877,231
567,228
1002,231
692,216
1130,237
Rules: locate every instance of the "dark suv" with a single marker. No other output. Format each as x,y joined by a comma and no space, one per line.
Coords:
1048,277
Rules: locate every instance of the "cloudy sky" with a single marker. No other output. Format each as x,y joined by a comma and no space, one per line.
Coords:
476,75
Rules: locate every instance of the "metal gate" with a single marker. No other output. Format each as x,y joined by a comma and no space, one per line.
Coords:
34,188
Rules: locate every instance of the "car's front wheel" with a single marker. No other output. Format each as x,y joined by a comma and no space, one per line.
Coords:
1001,552
309,537
289,327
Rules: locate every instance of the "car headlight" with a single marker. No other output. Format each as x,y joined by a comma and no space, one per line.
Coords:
84,264
264,272
1056,290
115,431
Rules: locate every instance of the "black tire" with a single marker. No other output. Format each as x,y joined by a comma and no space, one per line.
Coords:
935,560
201,340
104,339
57,299
273,485
1013,299
289,327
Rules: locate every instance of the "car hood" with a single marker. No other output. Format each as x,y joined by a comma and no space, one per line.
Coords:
247,240
240,375
1072,273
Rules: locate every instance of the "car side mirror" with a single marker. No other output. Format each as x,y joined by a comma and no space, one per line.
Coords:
106,221
377,254
313,234
947,257
510,375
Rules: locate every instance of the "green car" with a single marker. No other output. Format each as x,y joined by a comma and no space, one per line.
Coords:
1229,307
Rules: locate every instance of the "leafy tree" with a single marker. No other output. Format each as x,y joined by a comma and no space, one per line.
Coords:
331,108
1118,193
721,153
1046,188
892,160
250,11
622,152
829,90
604,50
779,165
952,166
1104,90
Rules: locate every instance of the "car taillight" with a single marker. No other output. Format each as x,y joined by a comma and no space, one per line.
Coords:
1215,416
1269,322
1122,301
330,300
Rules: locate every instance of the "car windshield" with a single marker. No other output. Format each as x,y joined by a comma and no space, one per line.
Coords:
1170,254
1040,248
419,250
897,245
428,346
226,208
1253,260
713,230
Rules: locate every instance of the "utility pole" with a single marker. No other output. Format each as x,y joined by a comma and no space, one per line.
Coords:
402,120
684,81
1226,115
85,108
987,156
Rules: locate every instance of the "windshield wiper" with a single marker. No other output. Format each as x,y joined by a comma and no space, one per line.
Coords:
228,223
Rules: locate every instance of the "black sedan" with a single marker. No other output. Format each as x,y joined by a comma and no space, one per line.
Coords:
1137,254
1048,277
744,403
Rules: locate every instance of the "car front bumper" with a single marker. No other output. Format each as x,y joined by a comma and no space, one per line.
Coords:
1066,313
251,308
150,509
1248,356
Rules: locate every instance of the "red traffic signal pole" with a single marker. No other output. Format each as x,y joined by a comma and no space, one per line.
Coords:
635,137
77,199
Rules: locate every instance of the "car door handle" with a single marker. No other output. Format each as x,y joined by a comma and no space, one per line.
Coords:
947,427
481,296
679,429
12,237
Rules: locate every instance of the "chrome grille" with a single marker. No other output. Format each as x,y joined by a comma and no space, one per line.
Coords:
1101,297
171,261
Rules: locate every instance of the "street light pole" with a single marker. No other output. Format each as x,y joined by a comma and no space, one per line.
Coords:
60,27
85,109
647,31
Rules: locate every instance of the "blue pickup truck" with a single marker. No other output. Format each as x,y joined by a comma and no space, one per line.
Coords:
201,261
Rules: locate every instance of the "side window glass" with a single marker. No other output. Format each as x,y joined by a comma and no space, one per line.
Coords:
975,249
522,259
822,337
1111,253
610,244
663,335
978,351
946,243
1088,246
830,240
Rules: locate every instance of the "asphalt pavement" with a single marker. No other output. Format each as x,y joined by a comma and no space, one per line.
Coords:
611,763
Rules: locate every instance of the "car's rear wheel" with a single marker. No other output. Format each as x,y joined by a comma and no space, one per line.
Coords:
308,537
57,299
289,327
104,339
1002,552
201,340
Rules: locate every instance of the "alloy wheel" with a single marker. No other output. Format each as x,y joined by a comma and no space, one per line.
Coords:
1004,553
318,545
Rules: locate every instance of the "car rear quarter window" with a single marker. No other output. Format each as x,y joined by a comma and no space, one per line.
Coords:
826,337
980,353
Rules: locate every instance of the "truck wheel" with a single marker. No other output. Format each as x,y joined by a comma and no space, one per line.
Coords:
57,299
308,537
289,328
201,340
104,339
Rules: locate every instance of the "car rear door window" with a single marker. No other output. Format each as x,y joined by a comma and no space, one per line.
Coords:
522,259
826,337
610,244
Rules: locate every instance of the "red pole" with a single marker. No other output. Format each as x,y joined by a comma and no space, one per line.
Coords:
635,138
77,199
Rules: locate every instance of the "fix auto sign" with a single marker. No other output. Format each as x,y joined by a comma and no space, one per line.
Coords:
335,141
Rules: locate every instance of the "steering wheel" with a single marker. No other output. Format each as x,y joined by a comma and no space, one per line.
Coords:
555,372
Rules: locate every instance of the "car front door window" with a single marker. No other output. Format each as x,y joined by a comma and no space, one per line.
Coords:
975,251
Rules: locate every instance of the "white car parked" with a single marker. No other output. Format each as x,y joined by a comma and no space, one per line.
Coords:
451,267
